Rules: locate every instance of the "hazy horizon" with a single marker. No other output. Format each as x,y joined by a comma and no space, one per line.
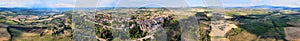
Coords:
138,3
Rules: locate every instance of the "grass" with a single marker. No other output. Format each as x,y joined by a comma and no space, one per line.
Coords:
7,22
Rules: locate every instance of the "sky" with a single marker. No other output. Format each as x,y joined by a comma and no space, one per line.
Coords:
145,3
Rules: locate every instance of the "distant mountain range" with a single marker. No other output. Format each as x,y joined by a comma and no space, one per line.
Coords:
107,8
51,9
271,7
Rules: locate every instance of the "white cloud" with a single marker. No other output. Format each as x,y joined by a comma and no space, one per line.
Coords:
4,6
256,0
108,3
86,3
15,3
290,3
240,5
61,5
155,3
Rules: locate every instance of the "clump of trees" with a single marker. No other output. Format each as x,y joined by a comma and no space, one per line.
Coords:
269,27
103,32
137,33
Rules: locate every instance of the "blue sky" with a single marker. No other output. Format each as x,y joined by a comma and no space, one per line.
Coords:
136,3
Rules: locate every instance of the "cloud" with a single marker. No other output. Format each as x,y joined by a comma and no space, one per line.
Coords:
15,3
107,3
152,3
86,3
135,3
4,6
61,5
239,5
289,3
234,3
256,0
196,2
